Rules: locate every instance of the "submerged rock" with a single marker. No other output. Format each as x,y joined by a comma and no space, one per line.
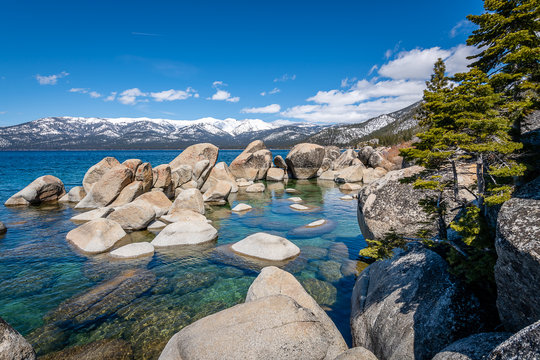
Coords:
96,236
267,247
313,229
323,292
134,250
409,307
350,187
253,162
255,188
517,271
185,233
12,345
109,349
304,160
474,347
241,207
44,189
3,228
524,345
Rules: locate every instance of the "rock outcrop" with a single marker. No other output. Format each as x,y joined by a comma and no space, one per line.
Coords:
409,307
44,189
275,174
12,345
524,345
517,271
253,162
304,160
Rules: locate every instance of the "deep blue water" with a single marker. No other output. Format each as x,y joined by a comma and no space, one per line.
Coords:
39,269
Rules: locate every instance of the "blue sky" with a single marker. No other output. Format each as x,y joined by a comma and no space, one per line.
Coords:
316,61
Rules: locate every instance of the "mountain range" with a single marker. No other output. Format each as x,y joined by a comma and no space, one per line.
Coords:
82,133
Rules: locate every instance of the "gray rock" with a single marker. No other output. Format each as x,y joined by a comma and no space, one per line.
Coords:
12,345
304,160
517,271
524,345
364,154
44,189
409,307
357,353
253,162
474,347
351,174
530,129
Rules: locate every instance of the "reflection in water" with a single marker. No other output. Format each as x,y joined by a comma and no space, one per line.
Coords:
58,297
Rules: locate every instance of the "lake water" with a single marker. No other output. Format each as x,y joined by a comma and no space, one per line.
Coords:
39,269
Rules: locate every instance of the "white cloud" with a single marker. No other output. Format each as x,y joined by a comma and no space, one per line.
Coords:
347,82
171,95
285,77
93,94
111,97
270,109
129,96
50,79
461,27
271,92
221,94
457,62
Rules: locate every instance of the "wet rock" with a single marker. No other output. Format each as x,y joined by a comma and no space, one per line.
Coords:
74,195
313,229
220,172
388,204
128,194
304,160
279,162
145,175
524,345
338,251
96,236
409,307
133,216
159,202
3,228
189,199
102,300
241,207
218,192
351,174
275,174
110,349
92,214
12,345
518,264
134,250
255,188
96,172
357,353
253,162
330,271
107,188
267,247
185,233
474,347
44,189
350,268
323,292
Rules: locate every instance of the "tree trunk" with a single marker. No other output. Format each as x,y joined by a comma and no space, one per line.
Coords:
456,185
480,179
443,235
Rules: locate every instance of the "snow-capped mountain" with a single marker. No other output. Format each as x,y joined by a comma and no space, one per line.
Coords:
145,133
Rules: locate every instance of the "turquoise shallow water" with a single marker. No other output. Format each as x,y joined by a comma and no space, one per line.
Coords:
39,270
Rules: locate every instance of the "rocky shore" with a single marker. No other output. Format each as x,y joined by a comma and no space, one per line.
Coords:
406,307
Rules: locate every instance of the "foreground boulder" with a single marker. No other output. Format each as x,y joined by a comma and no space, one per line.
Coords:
387,204
107,188
134,250
357,353
517,269
474,347
266,246
275,174
347,158
12,345
44,189
96,236
253,162
524,345
95,172
185,233
408,307
279,320
304,160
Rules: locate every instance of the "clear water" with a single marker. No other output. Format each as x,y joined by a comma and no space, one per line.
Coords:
39,270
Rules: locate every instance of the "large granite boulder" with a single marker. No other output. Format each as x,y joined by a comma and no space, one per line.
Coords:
357,353
185,233
331,153
280,163
95,172
304,160
145,175
266,246
517,271
219,192
107,188
195,153
12,345
162,178
253,162
189,199
364,154
157,200
474,347
350,174
182,175
220,172
279,320
92,214
524,345
388,204
96,236
275,174
183,215
133,216
347,158
44,189
256,188
409,307
128,194
74,195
